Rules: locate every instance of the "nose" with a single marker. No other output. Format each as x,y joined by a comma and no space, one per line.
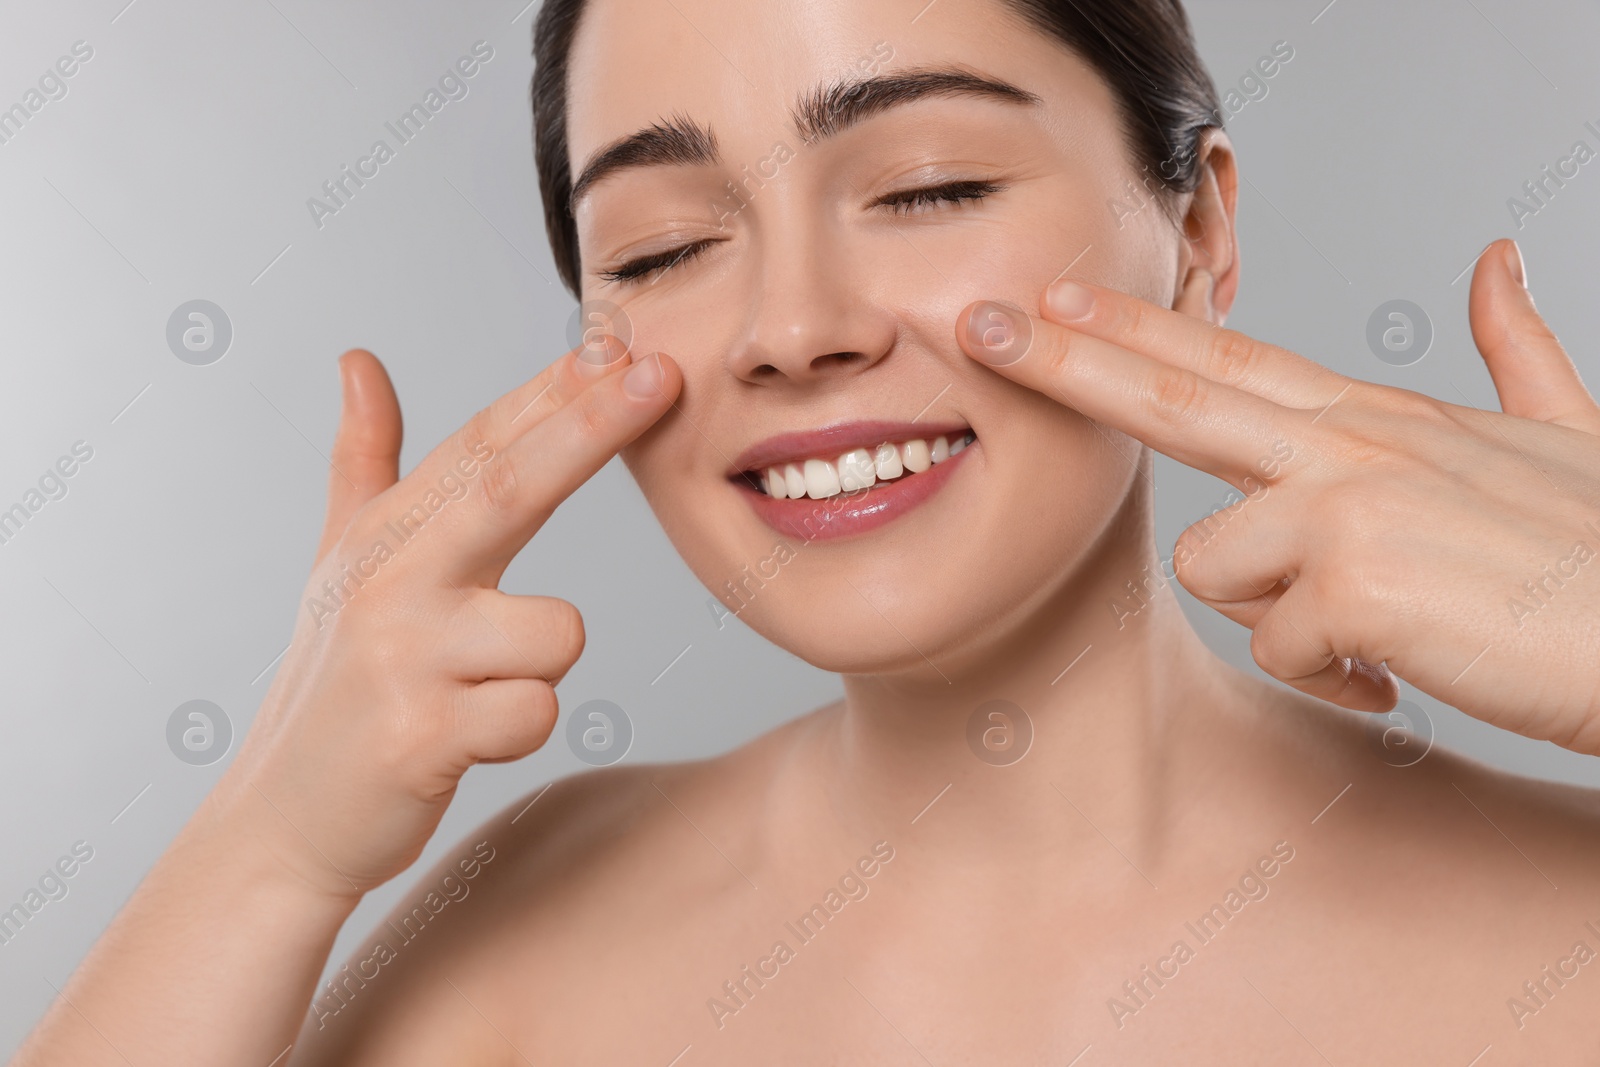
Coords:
811,318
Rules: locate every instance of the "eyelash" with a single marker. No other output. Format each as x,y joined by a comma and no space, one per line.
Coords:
901,203
636,270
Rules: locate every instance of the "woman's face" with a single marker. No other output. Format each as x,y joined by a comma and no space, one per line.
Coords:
817,292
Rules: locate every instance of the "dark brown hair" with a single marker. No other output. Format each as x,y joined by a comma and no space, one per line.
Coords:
1144,49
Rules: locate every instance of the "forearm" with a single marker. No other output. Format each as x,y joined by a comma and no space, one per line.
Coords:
214,959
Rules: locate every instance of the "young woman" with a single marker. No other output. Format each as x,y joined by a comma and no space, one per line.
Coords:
931,285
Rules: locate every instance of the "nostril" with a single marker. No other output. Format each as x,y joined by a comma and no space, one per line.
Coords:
836,357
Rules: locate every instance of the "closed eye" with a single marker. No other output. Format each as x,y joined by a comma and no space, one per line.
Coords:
636,270
904,202
908,200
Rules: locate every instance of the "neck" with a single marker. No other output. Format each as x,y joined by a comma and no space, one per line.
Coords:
1074,716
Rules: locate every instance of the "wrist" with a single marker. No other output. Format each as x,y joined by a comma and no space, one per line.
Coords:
237,830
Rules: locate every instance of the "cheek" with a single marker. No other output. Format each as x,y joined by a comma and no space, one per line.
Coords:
930,276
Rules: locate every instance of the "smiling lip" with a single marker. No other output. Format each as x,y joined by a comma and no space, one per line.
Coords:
849,513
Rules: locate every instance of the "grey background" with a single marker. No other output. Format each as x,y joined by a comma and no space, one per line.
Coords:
178,168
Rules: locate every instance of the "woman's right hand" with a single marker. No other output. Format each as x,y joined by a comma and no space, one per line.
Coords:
408,664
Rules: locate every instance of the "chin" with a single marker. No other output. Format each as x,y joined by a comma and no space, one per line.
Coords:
915,568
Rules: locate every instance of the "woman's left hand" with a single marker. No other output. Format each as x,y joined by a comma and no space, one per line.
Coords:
1380,526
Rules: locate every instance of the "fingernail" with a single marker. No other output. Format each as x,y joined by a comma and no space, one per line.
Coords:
644,379
998,334
598,355
1514,264
1069,301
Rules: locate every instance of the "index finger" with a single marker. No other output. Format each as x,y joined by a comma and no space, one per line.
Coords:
453,512
1206,424
1222,355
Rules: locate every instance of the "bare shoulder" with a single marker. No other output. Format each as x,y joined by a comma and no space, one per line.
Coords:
622,832
547,887
1460,893
1412,778
1415,843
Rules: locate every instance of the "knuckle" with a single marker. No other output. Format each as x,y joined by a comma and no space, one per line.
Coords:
1131,321
498,480
1266,644
1173,393
564,629
589,418
359,445
1191,542
526,711
1338,591
1406,403
1361,453
1232,357
1056,346
1189,560
482,427
542,703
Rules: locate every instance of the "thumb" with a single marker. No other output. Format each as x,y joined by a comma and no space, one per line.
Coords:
366,449
1532,373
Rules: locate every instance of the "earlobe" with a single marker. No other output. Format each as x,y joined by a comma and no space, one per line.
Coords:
1210,241
1197,296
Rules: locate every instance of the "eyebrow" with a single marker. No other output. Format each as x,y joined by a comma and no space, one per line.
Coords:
824,112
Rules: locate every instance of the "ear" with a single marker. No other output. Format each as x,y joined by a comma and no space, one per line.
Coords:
1210,244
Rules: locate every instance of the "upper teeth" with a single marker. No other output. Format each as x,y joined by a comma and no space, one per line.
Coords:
860,468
